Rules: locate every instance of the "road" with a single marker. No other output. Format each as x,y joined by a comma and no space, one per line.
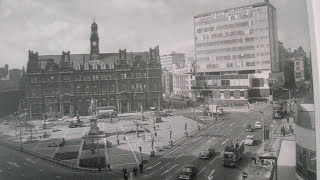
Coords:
219,135
16,166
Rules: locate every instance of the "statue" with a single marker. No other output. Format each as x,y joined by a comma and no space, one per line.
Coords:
93,108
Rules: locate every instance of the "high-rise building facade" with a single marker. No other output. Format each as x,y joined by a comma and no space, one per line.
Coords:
67,83
236,53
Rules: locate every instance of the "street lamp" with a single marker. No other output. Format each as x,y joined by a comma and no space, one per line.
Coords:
263,133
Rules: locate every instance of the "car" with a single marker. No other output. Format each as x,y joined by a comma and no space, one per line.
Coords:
248,128
249,140
258,125
55,129
188,172
206,153
53,145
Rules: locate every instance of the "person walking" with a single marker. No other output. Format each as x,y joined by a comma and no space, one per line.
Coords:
254,159
135,171
141,167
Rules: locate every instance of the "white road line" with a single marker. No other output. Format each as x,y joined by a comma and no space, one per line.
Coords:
168,177
0,170
179,169
153,166
211,175
232,124
214,158
179,156
196,139
244,125
201,170
165,165
224,141
194,158
13,164
211,139
169,169
31,161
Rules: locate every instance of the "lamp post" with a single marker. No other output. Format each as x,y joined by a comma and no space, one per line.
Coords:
263,133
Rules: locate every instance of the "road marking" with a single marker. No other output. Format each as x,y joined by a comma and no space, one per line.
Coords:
180,169
13,164
244,125
211,139
232,124
201,170
153,166
165,165
196,139
169,177
31,161
215,158
224,141
58,177
0,170
194,158
169,169
211,175
179,156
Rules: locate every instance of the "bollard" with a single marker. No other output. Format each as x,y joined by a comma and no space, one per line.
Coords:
131,176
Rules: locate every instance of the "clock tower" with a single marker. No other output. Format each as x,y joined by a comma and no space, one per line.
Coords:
94,42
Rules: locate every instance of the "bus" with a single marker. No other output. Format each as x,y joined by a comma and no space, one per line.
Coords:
279,109
107,112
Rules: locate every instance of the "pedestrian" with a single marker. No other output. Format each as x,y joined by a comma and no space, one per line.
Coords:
254,159
155,134
125,176
135,171
291,131
141,167
288,120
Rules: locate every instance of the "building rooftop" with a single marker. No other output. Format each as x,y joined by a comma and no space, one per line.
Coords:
233,9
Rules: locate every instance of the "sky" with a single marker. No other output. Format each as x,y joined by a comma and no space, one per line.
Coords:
51,26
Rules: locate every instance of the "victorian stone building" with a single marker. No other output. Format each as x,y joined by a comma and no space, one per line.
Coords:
67,83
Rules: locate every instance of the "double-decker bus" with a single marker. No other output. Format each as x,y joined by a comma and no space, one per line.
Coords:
107,112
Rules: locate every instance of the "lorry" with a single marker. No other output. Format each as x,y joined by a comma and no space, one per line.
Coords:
279,109
213,109
233,154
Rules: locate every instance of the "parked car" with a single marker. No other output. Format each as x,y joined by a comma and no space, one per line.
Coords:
188,172
249,140
249,128
258,125
55,129
207,153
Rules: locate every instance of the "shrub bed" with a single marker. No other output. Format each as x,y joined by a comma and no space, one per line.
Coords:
93,162
66,155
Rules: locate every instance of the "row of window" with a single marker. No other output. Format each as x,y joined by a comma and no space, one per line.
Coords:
222,50
224,42
232,65
234,25
228,18
216,77
94,66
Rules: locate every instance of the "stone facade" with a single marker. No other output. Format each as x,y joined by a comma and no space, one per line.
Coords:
66,83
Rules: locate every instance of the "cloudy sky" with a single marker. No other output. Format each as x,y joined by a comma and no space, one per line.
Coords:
49,27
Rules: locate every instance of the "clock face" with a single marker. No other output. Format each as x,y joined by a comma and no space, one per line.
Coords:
94,43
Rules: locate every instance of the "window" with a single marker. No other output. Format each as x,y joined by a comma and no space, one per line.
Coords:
78,89
95,89
111,66
257,82
95,66
78,77
103,76
86,67
112,88
229,65
104,89
225,82
103,66
78,67
87,90
249,64
67,89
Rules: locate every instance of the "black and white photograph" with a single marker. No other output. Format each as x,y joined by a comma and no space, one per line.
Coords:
159,90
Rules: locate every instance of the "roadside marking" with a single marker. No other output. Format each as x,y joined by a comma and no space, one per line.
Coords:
169,169
14,164
224,141
201,170
153,166
165,165
211,175
179,156
31,161
215,158
232,124
196,139
211,139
